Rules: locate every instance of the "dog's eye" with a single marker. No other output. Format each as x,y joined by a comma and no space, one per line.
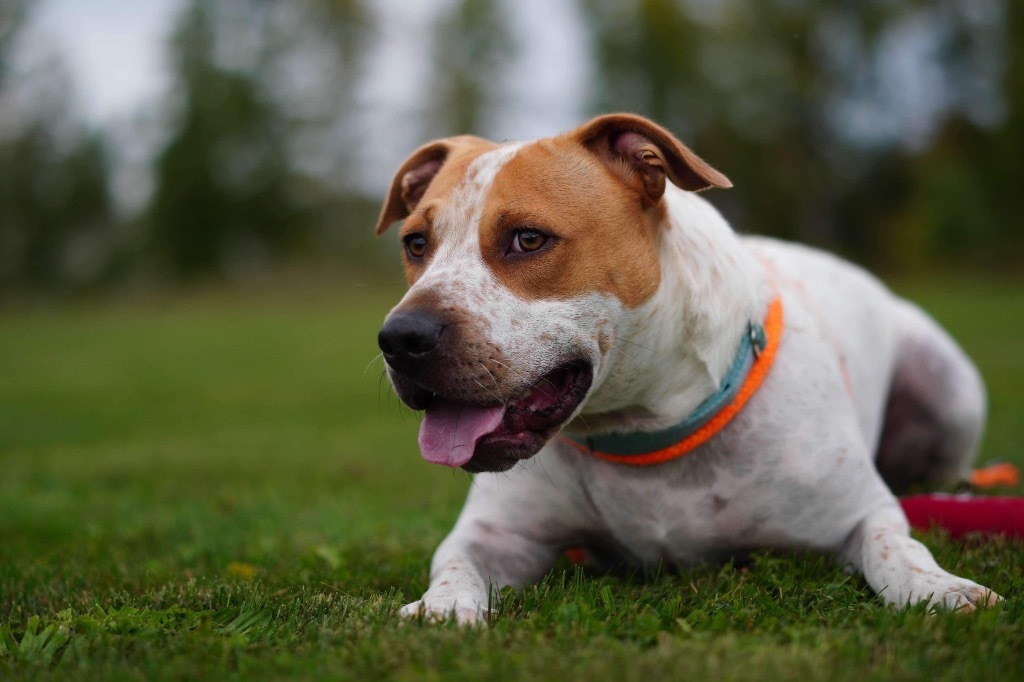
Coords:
528,240
415,245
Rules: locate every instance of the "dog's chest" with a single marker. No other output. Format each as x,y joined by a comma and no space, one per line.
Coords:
726,499
654,522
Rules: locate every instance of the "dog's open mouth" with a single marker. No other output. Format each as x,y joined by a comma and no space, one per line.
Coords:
494,437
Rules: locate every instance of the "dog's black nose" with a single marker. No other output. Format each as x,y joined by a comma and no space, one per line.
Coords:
409,335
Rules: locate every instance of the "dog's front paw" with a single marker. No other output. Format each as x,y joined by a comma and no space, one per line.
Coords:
967,597
944,590
466,611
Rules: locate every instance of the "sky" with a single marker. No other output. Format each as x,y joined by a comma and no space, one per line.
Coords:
116,53
114,50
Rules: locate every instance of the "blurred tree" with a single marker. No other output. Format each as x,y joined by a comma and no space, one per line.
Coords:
471,44
56,211
311,62
264,143
1002,156
805,105
965,187
739,84
222,198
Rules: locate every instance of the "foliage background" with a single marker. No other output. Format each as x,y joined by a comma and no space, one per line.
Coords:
889,131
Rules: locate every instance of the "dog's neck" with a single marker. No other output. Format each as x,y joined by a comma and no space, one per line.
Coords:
671,353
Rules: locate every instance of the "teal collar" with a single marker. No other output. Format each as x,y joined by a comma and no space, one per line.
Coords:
752,344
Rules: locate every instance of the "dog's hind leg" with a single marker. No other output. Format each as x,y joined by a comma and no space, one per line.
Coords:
935,412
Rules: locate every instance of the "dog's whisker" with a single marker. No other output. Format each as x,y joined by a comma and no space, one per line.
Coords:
486,369
620,351
632,343
509,368
533,384
538,387
380,386
547,474
376,357
487,390
582,419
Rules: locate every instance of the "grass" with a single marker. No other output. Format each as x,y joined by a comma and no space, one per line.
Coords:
223,488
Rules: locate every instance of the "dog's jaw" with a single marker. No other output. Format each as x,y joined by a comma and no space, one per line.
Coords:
493,430
524,430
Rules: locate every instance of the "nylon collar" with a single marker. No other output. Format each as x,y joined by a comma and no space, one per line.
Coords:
753,359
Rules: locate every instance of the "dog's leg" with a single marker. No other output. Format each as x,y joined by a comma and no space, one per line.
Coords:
474,561
510,532
936,408
902,570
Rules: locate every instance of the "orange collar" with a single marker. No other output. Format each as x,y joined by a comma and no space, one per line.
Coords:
754,359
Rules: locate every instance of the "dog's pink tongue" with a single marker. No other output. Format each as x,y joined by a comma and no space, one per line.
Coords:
450,430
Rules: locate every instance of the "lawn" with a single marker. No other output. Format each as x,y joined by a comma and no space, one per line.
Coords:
223,486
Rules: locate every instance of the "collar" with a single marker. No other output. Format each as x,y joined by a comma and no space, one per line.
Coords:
755,356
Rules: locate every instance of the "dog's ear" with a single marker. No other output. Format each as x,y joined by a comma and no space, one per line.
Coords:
411,182
643,154
414,176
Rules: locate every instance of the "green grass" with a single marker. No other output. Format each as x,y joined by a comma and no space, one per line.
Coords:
222,487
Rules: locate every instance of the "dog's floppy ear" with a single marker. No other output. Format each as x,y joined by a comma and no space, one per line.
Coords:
411,181
643,154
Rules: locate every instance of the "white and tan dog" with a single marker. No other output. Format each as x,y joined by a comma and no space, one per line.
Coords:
578,284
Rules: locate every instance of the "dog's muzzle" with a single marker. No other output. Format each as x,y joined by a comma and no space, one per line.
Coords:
480,414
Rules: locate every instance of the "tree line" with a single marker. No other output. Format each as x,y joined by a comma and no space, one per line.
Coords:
802,103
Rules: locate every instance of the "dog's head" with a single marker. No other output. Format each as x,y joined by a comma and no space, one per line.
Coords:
520,260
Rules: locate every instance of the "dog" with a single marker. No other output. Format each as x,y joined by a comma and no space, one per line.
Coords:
622,372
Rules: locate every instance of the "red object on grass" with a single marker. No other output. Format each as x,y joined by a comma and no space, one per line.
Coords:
962,514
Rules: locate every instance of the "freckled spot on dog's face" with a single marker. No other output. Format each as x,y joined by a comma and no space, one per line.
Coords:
452,174
602,240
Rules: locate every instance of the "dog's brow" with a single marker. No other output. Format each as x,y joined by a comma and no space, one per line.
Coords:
424,212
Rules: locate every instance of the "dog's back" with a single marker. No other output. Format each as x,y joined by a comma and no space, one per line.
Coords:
893,355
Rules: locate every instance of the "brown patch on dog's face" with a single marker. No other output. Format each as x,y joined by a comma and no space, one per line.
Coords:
595,195
601,238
